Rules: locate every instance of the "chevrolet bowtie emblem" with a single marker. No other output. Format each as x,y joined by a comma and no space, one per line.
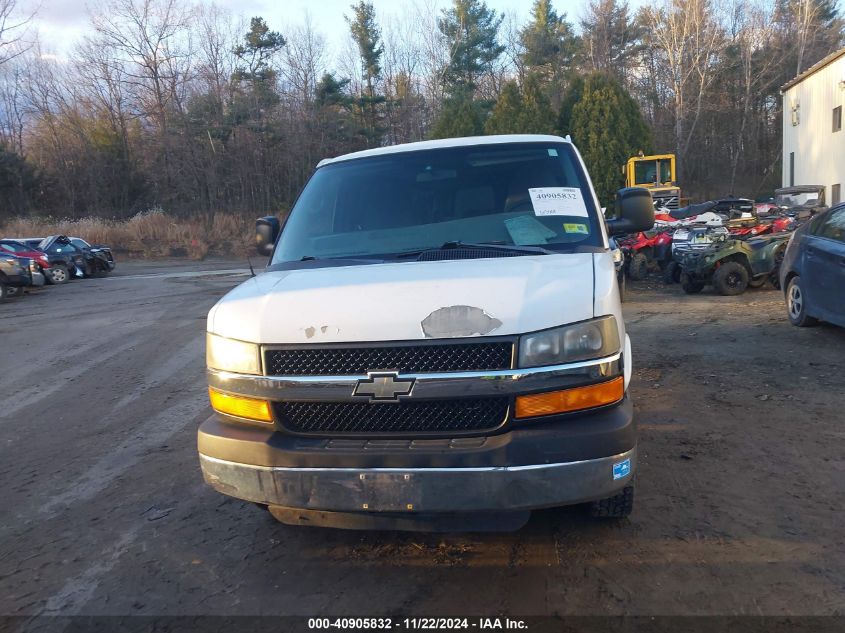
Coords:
383,387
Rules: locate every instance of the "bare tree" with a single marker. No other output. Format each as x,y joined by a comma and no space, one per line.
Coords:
434,48
306,59
13,28
755,57
149,39
688,38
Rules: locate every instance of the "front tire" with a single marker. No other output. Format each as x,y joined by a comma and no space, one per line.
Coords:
796,305
731,279
4,291
616,507
672,273
59,275
689,286
638,267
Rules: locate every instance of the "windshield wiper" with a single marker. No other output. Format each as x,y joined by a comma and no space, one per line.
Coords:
362,258
500,246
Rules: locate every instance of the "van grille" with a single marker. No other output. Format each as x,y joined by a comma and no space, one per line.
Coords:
407,359
412,417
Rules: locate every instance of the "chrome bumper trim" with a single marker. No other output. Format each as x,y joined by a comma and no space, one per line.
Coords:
426,386
422,489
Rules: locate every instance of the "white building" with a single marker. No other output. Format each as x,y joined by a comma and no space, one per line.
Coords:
813,139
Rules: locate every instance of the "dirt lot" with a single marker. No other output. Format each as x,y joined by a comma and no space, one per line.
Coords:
104,510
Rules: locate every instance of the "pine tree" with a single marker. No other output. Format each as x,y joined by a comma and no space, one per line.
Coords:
549,41
460,116
607,126
367,36
471,31
526,111
506,112
611,37
255,54
537,116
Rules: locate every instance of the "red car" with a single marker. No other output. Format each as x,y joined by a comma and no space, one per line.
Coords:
22,250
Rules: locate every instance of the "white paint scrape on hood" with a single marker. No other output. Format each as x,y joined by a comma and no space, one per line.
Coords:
409,300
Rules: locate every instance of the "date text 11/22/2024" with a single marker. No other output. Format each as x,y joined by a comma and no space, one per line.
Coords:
421,624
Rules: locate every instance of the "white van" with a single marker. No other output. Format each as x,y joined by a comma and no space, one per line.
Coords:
437,339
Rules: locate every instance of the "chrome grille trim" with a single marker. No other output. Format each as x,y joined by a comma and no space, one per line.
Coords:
433,386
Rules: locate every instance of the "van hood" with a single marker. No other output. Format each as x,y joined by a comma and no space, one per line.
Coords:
409,300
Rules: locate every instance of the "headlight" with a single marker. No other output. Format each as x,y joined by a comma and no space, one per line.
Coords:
228,354
570,343
617,255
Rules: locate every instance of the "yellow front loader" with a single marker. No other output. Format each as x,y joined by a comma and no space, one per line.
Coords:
657,174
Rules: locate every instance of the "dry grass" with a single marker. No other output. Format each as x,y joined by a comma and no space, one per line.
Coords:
150,234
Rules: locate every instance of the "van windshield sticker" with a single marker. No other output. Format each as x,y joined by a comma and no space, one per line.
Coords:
525,230
558,201
552,152
576,228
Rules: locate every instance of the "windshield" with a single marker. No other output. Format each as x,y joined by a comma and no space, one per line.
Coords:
14,247
799,199
523,194
646,172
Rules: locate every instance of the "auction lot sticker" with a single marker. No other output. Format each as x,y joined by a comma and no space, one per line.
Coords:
558,201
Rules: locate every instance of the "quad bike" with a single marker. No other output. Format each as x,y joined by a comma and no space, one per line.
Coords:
777,224
732,265
645,247
686,239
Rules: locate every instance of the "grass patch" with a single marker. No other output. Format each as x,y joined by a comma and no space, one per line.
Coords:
150,234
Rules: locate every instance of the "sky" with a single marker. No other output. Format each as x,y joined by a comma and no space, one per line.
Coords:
60,23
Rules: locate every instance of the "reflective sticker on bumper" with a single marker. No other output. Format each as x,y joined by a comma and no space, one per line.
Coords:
622,469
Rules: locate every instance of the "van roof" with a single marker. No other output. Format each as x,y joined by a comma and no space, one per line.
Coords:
448,142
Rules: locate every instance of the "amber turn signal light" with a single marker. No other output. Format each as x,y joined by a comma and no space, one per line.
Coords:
570,400
240,406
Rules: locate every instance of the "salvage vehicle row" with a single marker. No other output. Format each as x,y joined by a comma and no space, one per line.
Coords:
56,259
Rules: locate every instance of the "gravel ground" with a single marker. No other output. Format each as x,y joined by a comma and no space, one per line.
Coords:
104,509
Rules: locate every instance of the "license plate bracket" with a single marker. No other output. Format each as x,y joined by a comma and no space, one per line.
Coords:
389,492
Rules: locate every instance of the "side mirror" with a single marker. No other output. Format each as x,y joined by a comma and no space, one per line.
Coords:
635,211
266,234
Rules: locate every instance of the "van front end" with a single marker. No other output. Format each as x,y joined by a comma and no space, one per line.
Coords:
474,435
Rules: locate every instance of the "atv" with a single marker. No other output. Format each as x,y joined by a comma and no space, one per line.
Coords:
691,238
645,247
773,224
732,265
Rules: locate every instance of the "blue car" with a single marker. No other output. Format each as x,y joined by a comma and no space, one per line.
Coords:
813,270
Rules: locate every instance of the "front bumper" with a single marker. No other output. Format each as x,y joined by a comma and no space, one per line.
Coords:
18,280
423,490
560,461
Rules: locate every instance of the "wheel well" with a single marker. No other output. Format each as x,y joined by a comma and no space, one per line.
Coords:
740,259
789,277
646,250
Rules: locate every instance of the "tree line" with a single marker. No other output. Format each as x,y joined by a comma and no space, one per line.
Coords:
194,110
